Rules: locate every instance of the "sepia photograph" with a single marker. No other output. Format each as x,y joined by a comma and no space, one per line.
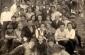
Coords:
42,27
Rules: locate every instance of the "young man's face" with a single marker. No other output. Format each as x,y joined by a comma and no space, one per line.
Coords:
51,44
53,9
47,7
29,23
62,27
6,9
69,26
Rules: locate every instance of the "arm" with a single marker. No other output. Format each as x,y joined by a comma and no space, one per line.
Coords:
56,35
36,33
16,50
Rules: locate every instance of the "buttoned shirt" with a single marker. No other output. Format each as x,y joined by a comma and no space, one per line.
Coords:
70,34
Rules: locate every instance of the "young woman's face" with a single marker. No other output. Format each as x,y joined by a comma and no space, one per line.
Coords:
39,18
22,18
33,18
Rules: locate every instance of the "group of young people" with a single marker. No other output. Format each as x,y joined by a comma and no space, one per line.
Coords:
42,29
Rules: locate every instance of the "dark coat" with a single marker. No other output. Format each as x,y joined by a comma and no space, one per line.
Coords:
56,25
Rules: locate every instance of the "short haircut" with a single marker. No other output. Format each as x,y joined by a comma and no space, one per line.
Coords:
13,17
69,23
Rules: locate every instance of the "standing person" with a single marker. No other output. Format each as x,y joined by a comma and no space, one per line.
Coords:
28,31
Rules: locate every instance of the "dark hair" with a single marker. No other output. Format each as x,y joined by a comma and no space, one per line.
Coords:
13,17
52,7
51,40
32,16
62,24
23,16
69,23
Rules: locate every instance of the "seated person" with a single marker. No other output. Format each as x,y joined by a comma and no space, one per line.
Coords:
55,49
50,31
14,23
10,37
28,31
40,31
18,32
41,46
60,33
70,34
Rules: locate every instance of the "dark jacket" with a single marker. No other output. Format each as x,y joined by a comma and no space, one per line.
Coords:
27,33
56,25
